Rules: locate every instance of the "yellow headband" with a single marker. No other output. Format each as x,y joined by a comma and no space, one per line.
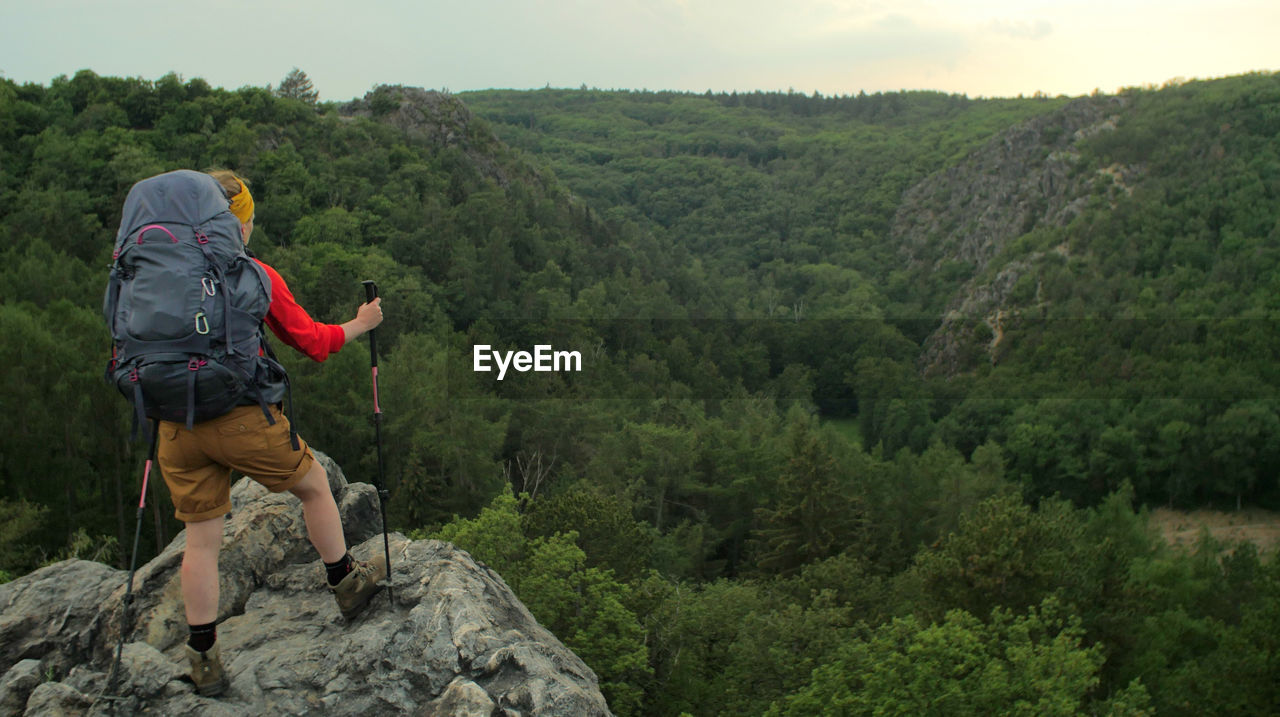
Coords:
242,204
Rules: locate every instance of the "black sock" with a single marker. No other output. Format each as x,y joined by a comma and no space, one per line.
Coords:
337,571
203,636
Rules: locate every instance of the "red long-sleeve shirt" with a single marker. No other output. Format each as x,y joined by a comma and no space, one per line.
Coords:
293,325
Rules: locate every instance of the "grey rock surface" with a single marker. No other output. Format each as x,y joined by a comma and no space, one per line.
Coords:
54,699
454,640
16,686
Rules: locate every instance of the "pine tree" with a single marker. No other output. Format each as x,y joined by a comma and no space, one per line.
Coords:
814,516
296,85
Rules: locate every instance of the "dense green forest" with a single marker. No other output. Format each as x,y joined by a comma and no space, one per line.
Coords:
877,390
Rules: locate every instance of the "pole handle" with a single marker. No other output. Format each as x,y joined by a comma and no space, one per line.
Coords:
370,290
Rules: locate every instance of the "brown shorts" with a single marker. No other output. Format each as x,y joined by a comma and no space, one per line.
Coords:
197,464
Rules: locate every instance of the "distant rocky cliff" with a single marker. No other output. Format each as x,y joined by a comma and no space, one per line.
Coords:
439,119
1028,176
455,641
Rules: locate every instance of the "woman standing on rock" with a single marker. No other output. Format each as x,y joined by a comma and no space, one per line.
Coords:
197,462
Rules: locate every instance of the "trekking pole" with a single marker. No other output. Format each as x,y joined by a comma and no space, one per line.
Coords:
127,611
371,293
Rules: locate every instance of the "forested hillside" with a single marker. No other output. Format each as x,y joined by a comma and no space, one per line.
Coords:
1104,247
875,388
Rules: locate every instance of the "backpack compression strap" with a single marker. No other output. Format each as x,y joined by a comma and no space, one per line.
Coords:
288,389
193,367
140,411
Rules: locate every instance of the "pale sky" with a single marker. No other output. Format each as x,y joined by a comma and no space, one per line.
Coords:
976,47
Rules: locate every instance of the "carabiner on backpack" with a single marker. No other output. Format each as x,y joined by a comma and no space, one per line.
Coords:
202,324
209,287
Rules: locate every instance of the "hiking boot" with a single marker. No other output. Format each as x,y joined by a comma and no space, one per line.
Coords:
362,583
206,671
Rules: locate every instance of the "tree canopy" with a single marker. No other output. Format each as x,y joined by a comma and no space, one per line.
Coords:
824,452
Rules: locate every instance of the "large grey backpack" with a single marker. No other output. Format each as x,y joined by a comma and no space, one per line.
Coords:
185,304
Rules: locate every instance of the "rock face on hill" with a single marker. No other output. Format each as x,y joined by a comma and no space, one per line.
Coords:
1024,177
1028,176
437,117
442,120
454,641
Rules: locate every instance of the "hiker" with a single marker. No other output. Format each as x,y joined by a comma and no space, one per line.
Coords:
196,463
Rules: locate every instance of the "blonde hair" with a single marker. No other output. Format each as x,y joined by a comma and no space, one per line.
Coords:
229,181
238,194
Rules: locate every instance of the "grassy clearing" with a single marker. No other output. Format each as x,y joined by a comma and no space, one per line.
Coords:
847,428
1255,525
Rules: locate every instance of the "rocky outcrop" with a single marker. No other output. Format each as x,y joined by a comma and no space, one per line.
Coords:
1027,177
454,640
439,119
436,117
